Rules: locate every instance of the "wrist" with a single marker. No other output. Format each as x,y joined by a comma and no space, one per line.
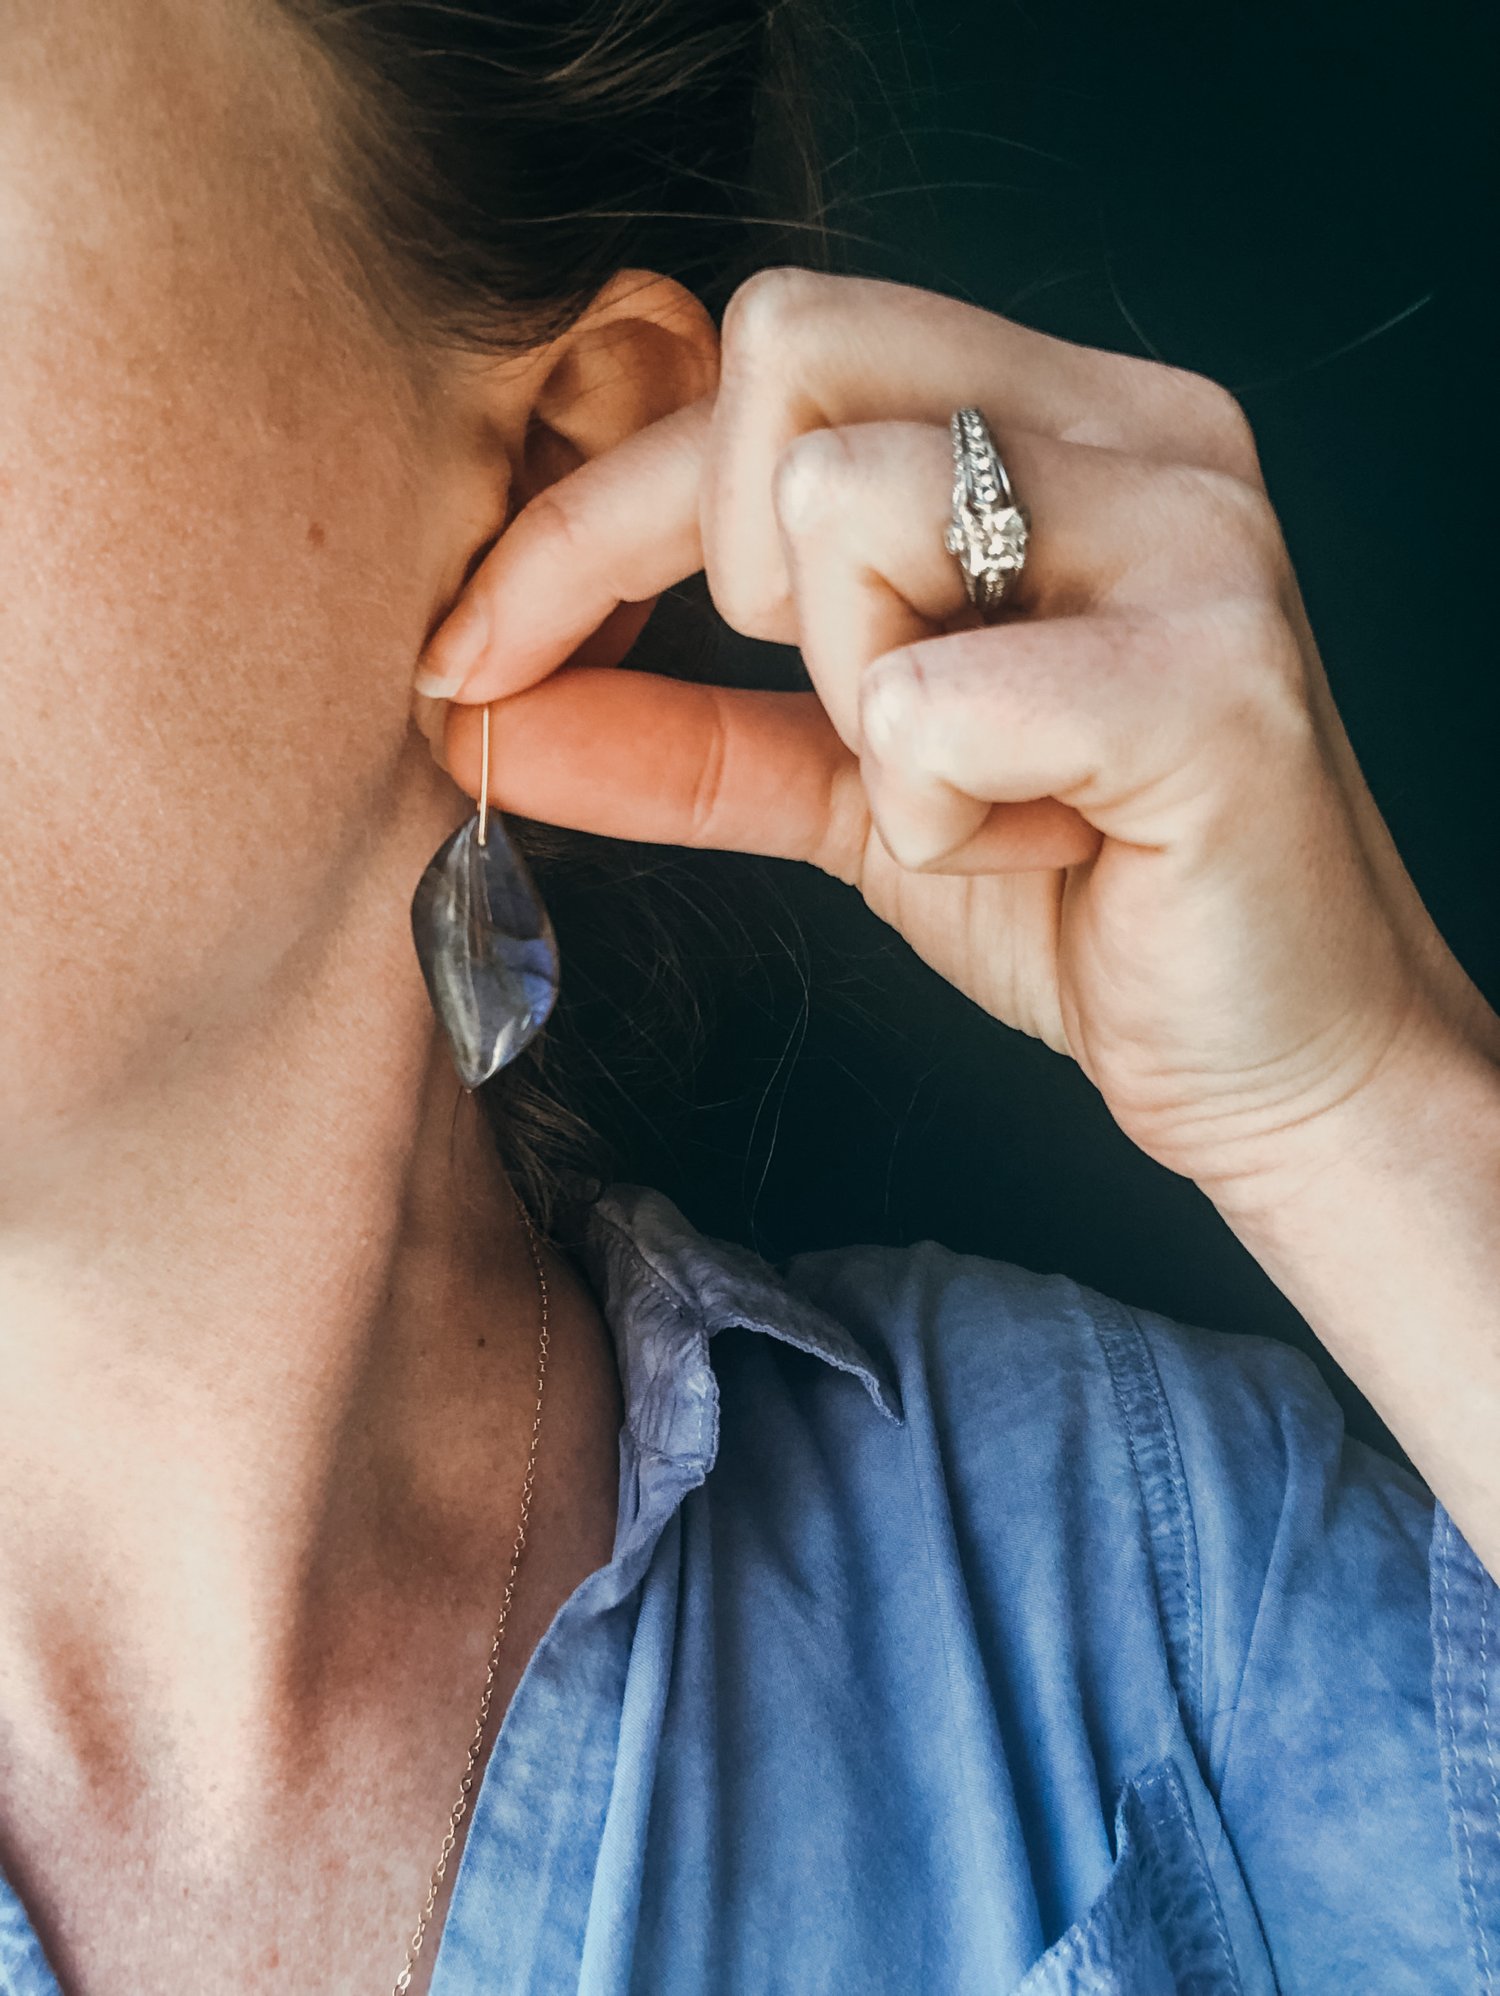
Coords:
1428,1112
1384,1233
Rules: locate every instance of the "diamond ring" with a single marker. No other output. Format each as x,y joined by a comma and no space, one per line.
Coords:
988,531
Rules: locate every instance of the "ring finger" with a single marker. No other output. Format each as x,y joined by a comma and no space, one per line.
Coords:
861,511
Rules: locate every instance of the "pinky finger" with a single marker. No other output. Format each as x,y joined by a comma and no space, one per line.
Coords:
1058,720
1041,834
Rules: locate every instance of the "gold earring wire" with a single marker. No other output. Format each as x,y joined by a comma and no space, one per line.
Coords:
484,776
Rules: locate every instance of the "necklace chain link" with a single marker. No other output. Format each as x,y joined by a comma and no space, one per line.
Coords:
460,1807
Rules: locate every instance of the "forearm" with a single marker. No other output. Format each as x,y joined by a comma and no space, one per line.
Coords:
1386,1237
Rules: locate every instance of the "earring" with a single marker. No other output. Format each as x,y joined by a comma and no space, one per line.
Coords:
484,941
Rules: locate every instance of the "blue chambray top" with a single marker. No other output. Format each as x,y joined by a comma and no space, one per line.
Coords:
968,1632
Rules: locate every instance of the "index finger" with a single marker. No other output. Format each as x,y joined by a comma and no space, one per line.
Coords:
626,529
634,755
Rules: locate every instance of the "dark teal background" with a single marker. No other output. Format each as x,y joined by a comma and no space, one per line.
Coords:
1292,199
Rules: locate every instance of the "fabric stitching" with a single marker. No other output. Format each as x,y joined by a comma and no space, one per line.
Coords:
855,1362
668,1295
1127,1357
1461,1806
1180,1491
1484,1701
679,1308
709,1401
1190,1832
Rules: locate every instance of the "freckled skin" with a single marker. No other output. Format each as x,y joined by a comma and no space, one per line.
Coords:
212,554
257,1459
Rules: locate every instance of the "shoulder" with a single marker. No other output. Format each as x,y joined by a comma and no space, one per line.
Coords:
1074,1416
1165,1524
983,1344
990,1343
996,1348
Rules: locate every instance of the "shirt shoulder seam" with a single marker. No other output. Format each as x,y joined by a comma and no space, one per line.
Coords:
1460,1630
1156,1459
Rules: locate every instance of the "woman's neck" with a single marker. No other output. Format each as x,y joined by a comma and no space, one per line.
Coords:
267,1336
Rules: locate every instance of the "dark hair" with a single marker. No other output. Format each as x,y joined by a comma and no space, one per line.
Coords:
501,161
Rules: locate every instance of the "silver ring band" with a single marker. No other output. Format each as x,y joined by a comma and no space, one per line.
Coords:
988,531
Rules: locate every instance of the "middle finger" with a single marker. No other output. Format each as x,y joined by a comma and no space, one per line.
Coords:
861,512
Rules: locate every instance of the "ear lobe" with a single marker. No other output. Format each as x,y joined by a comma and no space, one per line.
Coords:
644,347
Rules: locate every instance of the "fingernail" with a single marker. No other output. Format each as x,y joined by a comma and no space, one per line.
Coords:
435,686
454,652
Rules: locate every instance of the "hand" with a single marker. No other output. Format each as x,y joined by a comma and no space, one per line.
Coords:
1125,819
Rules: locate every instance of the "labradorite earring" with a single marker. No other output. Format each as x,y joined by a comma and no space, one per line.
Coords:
484,941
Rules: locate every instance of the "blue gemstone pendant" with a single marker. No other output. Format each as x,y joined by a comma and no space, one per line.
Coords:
486,947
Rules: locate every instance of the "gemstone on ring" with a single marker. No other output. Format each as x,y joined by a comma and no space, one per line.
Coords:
987,530
989,541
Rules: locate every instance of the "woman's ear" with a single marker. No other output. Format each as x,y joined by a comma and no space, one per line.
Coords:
644,347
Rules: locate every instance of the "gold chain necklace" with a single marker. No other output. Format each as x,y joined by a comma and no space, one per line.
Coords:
456,1815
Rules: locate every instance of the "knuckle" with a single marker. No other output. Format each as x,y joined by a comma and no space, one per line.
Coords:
1227,517
1249,667
708,787
1245,633
552,517
1218,422
810,477
569,538
1255,630
846,827
764,305
892,696
753,603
